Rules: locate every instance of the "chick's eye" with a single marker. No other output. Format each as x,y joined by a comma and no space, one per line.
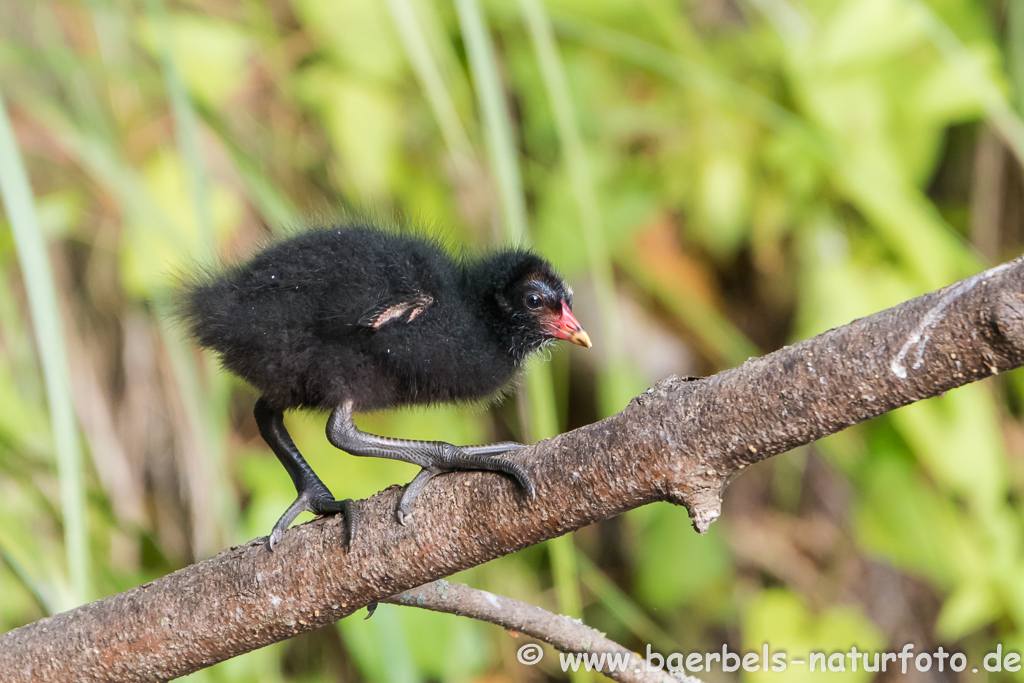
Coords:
533,301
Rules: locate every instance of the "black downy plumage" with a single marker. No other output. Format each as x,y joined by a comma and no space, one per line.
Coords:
358,318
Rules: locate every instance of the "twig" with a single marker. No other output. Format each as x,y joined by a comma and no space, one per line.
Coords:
561,632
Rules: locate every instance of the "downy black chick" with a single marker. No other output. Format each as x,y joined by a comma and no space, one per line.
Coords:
356,318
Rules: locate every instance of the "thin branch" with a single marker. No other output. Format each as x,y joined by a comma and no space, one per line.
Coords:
562,632
680,442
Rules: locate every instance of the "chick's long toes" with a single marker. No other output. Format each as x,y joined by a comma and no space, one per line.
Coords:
300,505
522,478
330,506
492,448
512,469
274,538
319,502
404,510
449,458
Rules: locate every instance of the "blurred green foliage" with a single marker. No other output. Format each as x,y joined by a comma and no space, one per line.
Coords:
716,178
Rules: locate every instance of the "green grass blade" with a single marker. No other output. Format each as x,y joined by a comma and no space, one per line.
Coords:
274,205
718,338
186,126
543,414
1015,51
212,506
1000,114
113,173
785,18
504,162
103,163
687,72
543,423
505,165
417,48
613,394
42,295
501,146
27,580
624,608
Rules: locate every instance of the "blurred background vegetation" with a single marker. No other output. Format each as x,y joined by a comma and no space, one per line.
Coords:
717,178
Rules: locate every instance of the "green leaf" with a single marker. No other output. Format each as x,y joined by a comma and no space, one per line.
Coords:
676,566
783,621
971,606
19,203
213,54
957,439
364,124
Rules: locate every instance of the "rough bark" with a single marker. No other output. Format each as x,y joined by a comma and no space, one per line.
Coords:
680,441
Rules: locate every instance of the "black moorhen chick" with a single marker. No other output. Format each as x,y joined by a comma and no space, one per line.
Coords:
357,318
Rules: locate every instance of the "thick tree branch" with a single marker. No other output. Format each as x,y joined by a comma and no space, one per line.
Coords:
680,442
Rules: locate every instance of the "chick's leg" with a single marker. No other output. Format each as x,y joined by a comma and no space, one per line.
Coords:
435,457
313,495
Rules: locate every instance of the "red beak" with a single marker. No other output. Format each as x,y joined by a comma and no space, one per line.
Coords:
567,327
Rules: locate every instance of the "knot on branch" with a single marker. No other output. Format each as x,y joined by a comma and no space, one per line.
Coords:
704,505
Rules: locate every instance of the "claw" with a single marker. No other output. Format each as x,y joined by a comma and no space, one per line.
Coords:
461,459
319,501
